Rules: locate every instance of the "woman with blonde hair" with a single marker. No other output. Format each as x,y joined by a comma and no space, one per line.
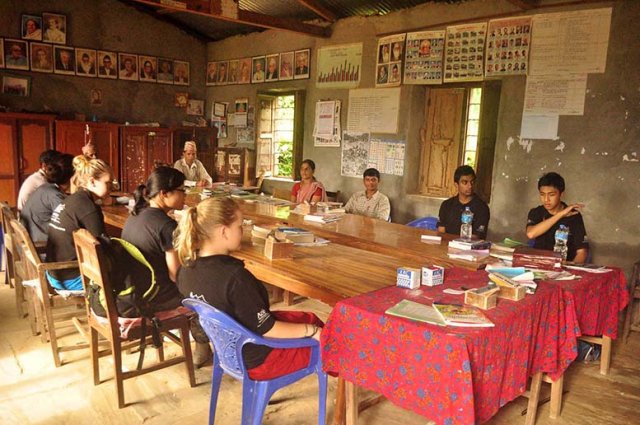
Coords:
205,237
77,211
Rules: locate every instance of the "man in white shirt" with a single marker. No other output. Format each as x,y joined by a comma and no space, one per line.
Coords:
370,202
193,169
36,179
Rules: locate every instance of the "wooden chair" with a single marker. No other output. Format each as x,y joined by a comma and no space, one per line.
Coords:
333,196
631,322
6,215
91,258
281,193
49,312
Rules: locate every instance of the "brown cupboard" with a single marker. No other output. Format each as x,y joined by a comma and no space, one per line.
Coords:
142,149
22,138
235,165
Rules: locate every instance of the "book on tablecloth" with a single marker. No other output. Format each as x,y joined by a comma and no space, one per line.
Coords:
460,315
465,244
416,311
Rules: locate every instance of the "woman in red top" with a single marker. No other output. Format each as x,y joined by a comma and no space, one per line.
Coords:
308,189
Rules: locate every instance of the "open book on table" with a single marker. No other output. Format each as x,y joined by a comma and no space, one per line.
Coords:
416,311
461,315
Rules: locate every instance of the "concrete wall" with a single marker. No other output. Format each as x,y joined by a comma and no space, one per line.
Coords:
595,143
107,25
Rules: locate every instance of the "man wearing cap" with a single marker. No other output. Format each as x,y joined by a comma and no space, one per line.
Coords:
192,168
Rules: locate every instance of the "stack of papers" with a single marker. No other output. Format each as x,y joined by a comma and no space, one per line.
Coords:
322,218
589,268
468,254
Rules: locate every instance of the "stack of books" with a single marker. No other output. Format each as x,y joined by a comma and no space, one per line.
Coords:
536,258
294,234
322,218
469,250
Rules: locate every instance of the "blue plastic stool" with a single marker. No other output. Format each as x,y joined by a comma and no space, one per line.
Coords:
429,223
228,338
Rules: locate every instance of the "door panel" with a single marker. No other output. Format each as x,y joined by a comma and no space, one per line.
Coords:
8,166
35,139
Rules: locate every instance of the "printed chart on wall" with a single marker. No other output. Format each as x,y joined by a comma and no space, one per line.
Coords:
360,151
570,42
339,66
464,56
326,129
508,43
373,110
389,62
423,57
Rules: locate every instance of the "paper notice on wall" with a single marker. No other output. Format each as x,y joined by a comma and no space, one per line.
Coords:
555,94
373,110
570,42
464,58
387,156
326,130
355,154
508,43
423,57
539,126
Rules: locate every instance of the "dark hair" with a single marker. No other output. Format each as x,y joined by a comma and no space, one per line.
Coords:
310,163
162,179
552,179
48,156
463,170
371,172
60,169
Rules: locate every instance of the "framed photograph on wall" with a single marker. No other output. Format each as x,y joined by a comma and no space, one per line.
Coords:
212,73
181,73
286,66
107,64
86,62
16,85
128,66
96,97
302,64
31,28
64,60
55,28
195,107
273,67
41,57
181,100
148,66
244,74
165,71
16,54
234,68
223,72
257,74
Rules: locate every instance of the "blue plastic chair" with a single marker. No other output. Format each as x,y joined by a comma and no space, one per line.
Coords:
429,223
228,338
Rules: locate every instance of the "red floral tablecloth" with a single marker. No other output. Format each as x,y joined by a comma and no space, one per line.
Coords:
448,374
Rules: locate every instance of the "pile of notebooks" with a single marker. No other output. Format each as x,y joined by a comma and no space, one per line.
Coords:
469,250
532,258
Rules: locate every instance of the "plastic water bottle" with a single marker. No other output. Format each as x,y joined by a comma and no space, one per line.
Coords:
562,241
465,228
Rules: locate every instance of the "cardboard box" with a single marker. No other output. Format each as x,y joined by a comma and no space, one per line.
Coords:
481,298
408,277
432,275
515,293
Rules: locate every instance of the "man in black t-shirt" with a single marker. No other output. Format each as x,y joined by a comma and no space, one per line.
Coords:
544,220
451,210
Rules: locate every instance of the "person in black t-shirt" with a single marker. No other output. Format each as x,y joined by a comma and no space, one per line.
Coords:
449,217
150,229
544,220
206,235
78,211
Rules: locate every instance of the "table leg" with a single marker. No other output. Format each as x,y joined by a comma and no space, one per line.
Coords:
339,412
534,396
556,397
351,391
605,355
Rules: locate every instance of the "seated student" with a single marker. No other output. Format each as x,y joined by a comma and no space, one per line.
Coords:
308,188
150,229
36,179
544,220
36,213
77,211
191,167
449,217
206,235
370,202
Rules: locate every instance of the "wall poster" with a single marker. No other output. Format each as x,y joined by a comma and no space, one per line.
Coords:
464,56
508,43
423,57
355,153
339,66
389,61
373,110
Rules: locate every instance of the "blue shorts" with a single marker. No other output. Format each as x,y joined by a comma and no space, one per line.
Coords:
74,284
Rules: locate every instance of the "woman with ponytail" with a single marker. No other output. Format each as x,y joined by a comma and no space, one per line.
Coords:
206,235
78,211
150,229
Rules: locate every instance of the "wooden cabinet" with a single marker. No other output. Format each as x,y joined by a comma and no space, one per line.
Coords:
23,137
70,137
142,149
206,141
235,165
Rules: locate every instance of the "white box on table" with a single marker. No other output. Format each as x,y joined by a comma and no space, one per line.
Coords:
408,277
432,275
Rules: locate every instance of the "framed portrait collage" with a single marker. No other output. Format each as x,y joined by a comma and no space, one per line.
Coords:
260,69
42,48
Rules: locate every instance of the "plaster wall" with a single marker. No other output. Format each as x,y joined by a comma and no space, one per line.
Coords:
590,152
107,25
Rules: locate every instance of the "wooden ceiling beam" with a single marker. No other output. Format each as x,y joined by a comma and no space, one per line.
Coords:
319,9
250,18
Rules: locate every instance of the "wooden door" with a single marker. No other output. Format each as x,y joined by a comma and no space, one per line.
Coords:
441,139
159,149
35,137
487,138
9,183
133,158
